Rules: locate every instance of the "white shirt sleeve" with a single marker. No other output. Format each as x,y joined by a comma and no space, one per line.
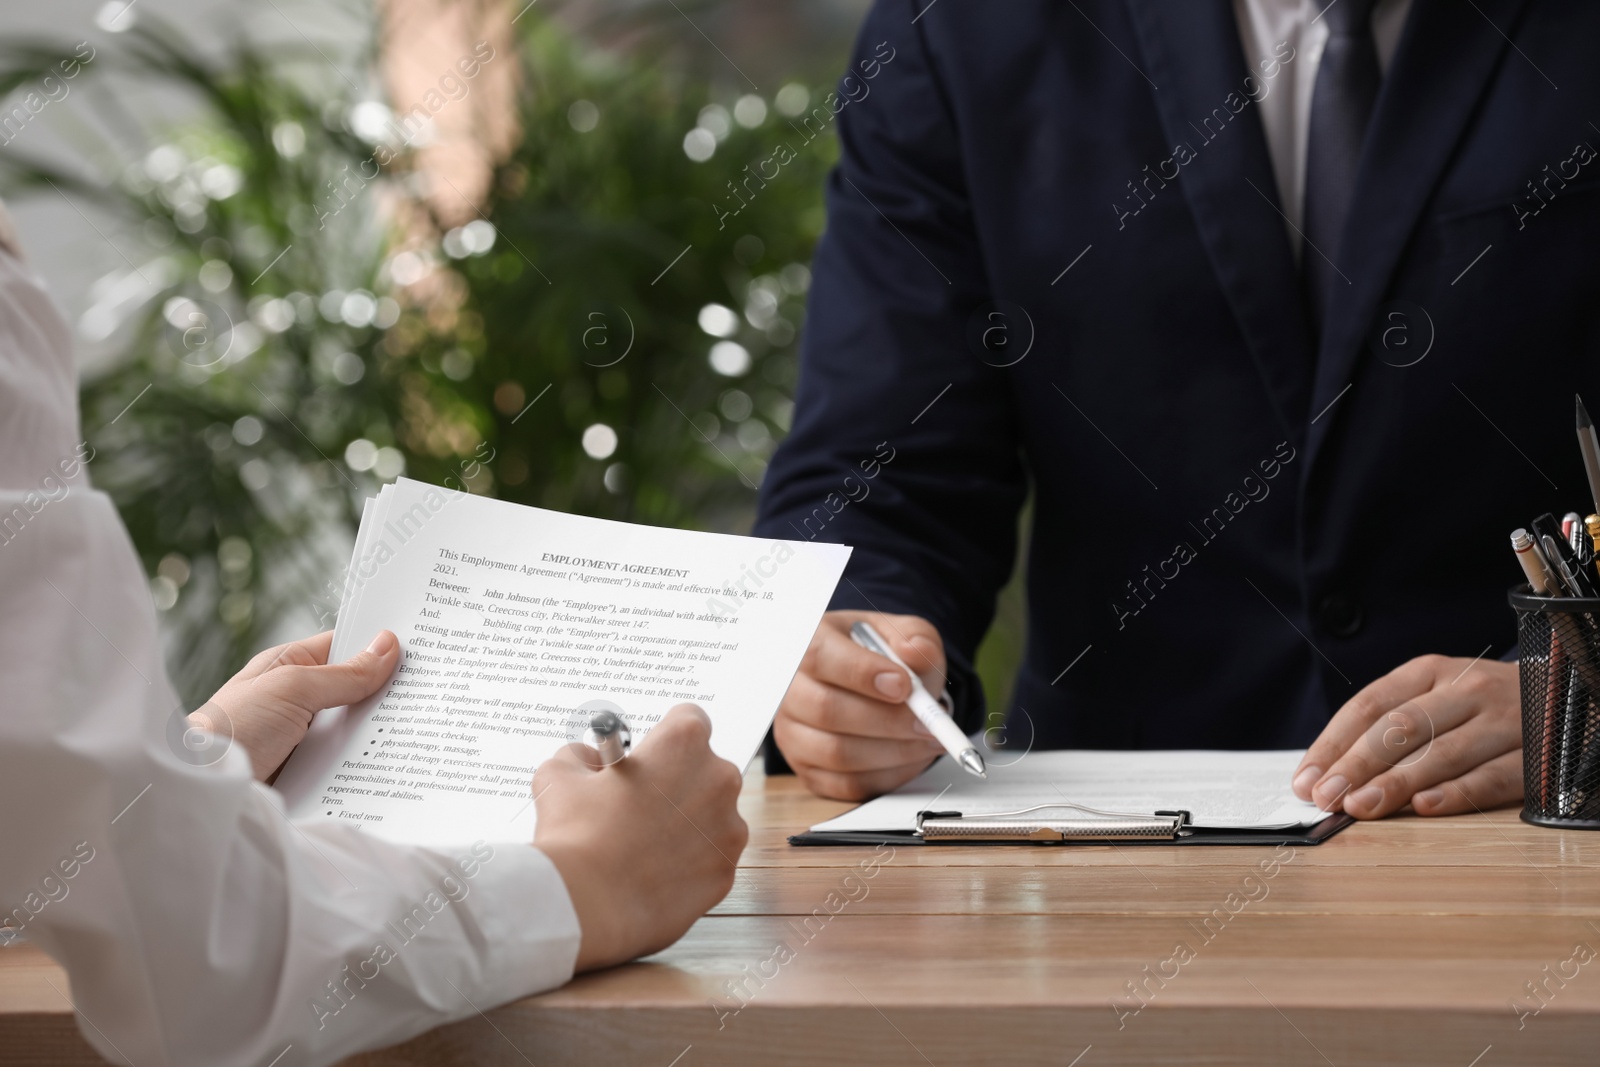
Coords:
199,925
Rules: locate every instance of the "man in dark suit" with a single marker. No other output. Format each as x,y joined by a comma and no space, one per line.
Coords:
1281,334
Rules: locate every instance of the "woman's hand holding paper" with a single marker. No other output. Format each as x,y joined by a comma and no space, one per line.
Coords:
267,707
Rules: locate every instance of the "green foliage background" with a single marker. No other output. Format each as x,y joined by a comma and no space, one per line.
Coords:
608,245
224,432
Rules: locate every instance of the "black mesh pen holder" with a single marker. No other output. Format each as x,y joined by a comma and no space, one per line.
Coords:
1559,642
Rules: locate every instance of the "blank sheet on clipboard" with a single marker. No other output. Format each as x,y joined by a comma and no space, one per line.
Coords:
1221,790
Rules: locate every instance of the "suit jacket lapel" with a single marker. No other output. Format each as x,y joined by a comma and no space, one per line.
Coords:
1446,56
1193,54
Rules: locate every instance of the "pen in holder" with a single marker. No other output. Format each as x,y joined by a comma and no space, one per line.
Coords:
1559,642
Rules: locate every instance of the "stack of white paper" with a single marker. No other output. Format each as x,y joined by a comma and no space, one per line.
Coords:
509,618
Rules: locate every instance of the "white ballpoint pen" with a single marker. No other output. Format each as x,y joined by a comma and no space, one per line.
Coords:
922,703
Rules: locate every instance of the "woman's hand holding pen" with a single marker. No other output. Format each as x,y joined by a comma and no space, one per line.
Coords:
1442,734
647,845
843,725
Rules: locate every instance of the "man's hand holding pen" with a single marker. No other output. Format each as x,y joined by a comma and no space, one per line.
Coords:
843,725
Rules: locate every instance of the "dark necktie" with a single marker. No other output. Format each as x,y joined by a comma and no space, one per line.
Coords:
1341,105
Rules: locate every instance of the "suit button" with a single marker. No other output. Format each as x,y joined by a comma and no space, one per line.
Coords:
1340,615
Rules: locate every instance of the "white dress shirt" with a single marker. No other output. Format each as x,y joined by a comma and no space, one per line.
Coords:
199,925
1286,107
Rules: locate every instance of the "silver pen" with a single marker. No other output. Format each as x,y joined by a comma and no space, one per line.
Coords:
609,736
928,711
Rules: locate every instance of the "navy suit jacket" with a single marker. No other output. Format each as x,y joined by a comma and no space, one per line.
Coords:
1055,262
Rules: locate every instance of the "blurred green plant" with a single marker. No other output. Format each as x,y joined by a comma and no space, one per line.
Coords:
614,336
247,331
624,340
600,333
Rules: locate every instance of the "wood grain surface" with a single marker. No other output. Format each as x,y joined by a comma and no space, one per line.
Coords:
1409,941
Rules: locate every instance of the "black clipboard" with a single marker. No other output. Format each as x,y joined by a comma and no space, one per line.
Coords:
1159,828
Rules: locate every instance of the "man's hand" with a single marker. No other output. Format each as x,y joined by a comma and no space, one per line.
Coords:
267,707
843,725
645,846
1442,734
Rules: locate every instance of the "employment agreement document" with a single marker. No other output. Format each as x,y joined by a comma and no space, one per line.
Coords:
511,619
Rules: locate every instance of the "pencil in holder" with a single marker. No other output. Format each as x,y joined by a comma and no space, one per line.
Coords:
1559,643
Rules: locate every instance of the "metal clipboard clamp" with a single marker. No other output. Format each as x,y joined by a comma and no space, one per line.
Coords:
1025,825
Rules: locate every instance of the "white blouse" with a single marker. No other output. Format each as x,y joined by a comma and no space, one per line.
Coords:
197,923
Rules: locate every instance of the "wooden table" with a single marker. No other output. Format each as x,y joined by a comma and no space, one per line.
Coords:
1406,941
